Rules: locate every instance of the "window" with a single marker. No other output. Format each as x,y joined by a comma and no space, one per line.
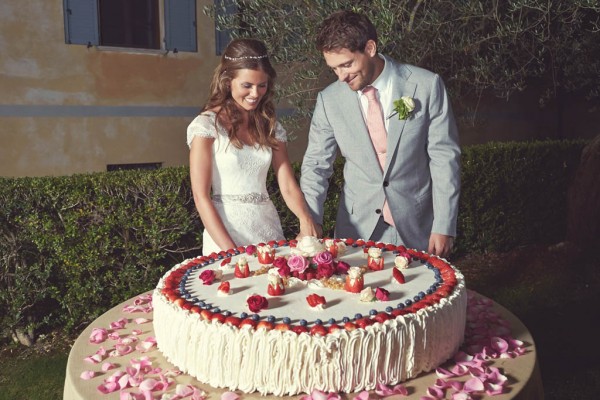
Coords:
129,167
132,23
129,23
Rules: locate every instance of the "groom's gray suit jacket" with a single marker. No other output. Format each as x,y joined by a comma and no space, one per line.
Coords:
421,178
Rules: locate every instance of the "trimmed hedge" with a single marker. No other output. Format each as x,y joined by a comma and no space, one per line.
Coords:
72,247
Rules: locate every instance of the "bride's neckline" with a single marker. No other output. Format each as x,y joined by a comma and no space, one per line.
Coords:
243,142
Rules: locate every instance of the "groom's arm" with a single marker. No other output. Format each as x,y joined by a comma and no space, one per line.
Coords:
444,153
317,165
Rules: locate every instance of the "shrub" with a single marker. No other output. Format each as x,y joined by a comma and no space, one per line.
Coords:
73,247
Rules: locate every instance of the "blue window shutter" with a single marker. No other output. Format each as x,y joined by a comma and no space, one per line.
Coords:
223,37
81,22
180,25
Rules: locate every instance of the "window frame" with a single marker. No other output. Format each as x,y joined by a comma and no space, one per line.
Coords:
177,25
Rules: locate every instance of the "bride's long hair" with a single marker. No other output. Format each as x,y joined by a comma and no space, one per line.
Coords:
244,54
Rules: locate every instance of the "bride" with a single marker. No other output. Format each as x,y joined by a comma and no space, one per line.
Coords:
233,142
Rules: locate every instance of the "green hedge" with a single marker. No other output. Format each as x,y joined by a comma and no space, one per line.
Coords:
72,247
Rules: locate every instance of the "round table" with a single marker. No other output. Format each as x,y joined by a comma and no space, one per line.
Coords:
523,371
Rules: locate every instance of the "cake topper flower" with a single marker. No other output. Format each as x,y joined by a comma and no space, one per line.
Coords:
208,276
257,302
404,106
382,294
297,263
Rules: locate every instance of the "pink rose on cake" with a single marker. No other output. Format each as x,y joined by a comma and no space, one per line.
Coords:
325,270
322,258
382,294
342,267
256,302
297,263
282,267
208,276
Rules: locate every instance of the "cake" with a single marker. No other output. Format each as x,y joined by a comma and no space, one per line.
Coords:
291,317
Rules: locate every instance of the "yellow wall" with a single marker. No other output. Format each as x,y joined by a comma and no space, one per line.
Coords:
68,109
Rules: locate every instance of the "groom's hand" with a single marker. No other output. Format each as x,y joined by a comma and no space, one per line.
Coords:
440,245
310,229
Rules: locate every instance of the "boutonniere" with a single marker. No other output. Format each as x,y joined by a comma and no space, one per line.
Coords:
403,107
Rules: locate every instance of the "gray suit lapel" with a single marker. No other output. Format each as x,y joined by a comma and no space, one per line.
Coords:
358,135
401,86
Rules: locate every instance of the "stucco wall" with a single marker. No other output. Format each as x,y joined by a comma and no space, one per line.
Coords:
68,109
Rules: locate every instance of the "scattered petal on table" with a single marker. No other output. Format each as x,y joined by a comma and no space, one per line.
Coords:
435,392
229,396
140,321
492,389
385,391
87,375
473,385
119,324
364,395
108,387
98,335
146,345
107,366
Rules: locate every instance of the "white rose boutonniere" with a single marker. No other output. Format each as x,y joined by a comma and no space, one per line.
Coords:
404,106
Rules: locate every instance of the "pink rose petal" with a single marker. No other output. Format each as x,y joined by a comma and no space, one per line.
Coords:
229,396
108,387
107,366
98,335
119,324
87,375
364,395
385,391
473,385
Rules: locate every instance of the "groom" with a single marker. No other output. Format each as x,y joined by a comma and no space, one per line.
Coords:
394,126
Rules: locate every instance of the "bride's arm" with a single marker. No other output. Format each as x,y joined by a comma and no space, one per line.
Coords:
201,179
292,195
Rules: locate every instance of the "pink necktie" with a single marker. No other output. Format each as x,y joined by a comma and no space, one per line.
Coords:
376,128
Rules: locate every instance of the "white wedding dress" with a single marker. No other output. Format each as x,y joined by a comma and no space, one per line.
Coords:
239,186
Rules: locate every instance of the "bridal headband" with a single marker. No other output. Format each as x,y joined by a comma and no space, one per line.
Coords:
245,57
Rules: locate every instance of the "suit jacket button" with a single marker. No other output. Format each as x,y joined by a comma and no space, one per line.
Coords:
378,211
386,183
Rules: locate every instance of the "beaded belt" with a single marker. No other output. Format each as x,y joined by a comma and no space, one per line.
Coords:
251,198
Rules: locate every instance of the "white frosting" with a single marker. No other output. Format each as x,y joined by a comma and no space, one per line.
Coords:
374,252
308,246
401,262
286,363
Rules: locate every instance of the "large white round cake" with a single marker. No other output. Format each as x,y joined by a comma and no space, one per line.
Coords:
370,314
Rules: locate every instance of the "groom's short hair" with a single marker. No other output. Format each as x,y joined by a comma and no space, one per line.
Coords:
345,30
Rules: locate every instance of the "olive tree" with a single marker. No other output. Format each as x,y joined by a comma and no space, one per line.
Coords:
479,47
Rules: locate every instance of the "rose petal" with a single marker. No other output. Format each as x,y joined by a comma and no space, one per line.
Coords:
98,335
107,366
364,395
87,375
108,387
435,392
229,396
473,385
119,324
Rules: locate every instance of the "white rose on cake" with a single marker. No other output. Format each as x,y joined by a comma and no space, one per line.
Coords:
308,246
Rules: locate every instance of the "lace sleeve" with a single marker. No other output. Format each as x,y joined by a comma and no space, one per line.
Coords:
203,126
280,133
